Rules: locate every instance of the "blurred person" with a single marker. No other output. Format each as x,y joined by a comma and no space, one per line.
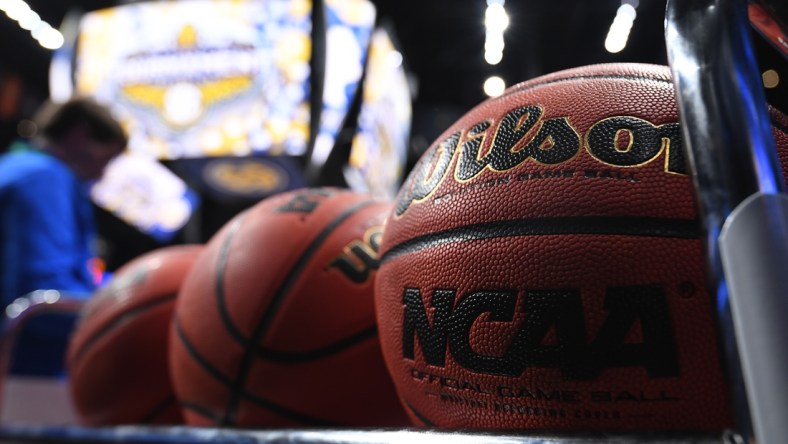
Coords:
47,225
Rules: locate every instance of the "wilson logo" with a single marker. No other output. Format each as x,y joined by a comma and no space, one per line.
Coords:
558,311
523,135
360,257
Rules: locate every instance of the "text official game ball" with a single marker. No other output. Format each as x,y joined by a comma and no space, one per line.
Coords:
275,325
117,356
543,266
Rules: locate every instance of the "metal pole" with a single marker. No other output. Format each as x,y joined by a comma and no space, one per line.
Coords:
727,133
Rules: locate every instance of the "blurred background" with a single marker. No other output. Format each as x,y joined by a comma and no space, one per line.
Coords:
229,101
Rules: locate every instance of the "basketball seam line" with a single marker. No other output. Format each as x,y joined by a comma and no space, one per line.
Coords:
201,410
212,371
224,253
244,394
318,353
284,411
210,414
270,354
602,225
250,353
119,320
418,414
157,410
584,77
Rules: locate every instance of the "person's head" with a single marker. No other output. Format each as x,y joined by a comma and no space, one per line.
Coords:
84,135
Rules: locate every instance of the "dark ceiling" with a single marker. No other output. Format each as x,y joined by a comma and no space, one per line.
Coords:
442,41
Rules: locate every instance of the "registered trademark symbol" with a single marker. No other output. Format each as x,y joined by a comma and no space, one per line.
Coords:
687,289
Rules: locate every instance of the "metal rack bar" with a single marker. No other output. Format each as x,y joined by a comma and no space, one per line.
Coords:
197,435
727,132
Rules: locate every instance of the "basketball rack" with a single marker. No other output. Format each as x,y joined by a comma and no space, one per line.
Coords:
740,190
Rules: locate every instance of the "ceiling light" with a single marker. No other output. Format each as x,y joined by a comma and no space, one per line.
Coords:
493,57
15,9
395,59
496,20
43,32
50,38
618,34
29,21
494,86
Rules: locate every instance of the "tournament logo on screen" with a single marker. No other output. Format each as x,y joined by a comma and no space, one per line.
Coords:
202,78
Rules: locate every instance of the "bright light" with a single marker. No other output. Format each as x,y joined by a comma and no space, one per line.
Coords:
36,33
627,11
51,38
51,296
616,43
494,42
618,34
496,20
493,57
15,9
395,59
494,86
29,21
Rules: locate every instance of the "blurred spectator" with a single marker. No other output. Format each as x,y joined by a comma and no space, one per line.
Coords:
46,216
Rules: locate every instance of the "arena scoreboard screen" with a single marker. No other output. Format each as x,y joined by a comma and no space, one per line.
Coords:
202,78
236,86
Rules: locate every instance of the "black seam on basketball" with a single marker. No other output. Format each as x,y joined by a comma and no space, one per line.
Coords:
610,226
213,372
317,353
224,253
201,410
157,410
284,411
584,77
119,320
418,414
250,353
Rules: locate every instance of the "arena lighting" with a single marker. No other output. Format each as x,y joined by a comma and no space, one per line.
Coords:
619,30
16,308
494,86
27,19
496,20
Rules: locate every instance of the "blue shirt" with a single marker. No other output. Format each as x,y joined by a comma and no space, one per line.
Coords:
46,227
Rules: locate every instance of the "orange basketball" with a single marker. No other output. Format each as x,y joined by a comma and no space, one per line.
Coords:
275,324
543,266
117,356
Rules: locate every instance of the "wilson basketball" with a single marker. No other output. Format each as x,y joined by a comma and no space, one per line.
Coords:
275,324
117,356
543,266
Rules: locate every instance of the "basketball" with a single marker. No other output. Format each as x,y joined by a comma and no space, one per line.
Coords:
543,265
117,356
275,323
